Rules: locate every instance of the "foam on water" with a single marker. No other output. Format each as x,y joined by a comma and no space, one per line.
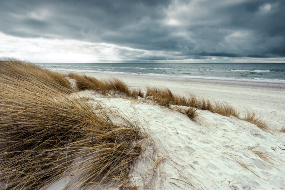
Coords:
267,73
260,71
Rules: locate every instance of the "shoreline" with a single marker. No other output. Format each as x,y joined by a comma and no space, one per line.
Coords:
265,99
272,82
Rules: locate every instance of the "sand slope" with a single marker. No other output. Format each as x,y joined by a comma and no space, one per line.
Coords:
265,99
215,152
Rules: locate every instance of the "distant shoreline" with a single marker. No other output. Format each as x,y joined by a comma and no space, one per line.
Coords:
264,73
211,80
265,99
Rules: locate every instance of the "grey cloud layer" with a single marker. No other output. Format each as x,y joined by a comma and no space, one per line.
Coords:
181,29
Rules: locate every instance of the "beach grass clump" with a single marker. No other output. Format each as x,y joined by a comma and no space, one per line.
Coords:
191,113
119,86
29,72
135,93
84,82
163,97
114,85
205,105
45,135
224,109
251,117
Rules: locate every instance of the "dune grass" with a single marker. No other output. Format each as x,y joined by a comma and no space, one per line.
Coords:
251,117
165,97
45,134
191,113
84,82
27,72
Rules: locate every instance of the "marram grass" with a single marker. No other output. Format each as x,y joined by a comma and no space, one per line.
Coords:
46,135
165,97
84,82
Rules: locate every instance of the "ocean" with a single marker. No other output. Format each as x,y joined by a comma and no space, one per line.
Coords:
254,72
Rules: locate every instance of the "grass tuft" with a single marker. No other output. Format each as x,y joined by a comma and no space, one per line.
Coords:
135,93
45,134
84,82
29,73
251,117
191,113
163,97
225,110
119,86
87,83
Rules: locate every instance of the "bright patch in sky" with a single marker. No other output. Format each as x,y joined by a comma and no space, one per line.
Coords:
265,8
55,50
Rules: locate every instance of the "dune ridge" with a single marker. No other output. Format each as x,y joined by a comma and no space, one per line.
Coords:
80,132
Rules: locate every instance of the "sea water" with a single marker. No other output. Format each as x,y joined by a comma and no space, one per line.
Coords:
255,72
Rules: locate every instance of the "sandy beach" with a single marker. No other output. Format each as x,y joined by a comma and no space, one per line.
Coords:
213,152
265,99
106,134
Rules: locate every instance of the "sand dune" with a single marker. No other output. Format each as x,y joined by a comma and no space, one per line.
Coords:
215,152
265,99
168,150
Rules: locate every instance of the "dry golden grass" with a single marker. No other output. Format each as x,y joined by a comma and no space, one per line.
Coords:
191,113
181,100
251,117
225,109
44,134
164,97
84,82
28,72
119,86
193,101
135,93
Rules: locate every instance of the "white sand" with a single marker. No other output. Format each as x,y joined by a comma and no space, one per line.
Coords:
216,152
267,100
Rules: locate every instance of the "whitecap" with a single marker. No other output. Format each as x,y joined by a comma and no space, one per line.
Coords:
260,71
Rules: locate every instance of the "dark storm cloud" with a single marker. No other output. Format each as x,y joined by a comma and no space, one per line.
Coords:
181,29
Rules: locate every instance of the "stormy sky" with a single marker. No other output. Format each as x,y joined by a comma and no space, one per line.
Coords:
143,30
